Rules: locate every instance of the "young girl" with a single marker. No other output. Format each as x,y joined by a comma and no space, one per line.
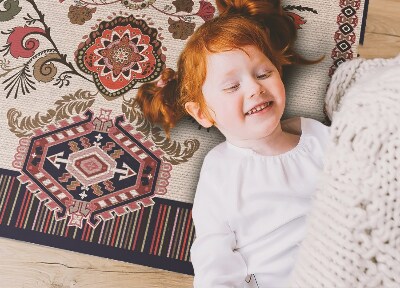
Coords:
255,188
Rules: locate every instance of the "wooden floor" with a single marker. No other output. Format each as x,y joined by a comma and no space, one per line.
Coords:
382,37
31,266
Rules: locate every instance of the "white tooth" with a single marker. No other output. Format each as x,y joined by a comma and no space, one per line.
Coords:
259,108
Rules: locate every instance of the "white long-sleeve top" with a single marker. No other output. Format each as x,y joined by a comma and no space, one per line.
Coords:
249,211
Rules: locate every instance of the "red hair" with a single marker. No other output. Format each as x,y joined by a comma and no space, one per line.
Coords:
259,23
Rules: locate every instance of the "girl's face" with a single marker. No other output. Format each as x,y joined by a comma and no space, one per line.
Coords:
244,94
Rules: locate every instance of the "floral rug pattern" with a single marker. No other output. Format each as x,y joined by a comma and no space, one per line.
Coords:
76,153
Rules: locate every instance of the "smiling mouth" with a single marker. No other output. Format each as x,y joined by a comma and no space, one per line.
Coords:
259,108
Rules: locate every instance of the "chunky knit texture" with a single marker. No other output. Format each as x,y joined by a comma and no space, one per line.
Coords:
353,235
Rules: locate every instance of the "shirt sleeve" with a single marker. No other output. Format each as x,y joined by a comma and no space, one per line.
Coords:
215,261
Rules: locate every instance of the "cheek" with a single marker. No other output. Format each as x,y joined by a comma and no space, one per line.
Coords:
280,91
234,112
283,93
228,111
216,109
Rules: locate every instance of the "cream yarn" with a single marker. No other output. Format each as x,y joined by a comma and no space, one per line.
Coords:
353,237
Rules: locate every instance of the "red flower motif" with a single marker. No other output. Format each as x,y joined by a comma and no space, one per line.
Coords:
16,45
121,53
206,10
297,19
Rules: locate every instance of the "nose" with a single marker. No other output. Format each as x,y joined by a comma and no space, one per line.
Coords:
254,87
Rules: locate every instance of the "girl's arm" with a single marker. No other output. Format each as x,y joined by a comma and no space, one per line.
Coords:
213,255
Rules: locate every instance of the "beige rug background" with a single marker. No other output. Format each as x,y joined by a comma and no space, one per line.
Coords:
319,34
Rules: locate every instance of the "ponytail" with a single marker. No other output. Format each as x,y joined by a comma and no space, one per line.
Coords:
277,24
262,23
159,100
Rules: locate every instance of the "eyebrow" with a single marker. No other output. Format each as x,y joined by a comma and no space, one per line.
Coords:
228,74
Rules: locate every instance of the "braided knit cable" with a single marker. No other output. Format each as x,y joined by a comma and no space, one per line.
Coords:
353,236
349,73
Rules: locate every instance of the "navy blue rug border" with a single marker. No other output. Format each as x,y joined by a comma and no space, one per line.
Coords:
95,249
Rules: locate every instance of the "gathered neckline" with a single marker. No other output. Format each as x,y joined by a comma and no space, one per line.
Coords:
299,147
288,153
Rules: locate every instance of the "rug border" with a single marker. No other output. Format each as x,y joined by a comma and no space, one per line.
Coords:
95,249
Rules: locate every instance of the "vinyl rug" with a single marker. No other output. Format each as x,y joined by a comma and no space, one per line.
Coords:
80,167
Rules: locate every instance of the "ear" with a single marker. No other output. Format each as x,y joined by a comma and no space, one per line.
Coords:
193,108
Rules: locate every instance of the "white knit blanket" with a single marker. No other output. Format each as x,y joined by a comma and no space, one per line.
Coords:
353,237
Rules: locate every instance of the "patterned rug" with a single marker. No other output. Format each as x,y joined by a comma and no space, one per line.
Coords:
81,169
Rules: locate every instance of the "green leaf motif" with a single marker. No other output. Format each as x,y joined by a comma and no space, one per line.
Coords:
180,29
183,5
12,9
69,105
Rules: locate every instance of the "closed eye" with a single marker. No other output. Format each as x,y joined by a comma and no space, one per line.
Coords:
263,76
232,88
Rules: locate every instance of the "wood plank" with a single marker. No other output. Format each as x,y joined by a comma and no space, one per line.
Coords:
383,17
30,265
382,33
379,46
